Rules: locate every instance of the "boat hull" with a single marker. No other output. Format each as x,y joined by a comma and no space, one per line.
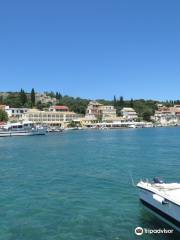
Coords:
169,212
21,133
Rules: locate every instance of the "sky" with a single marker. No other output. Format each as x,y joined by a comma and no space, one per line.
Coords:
91,48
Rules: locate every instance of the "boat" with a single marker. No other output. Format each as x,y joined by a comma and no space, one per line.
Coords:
163,199
132,126
26,128
70,128
54,130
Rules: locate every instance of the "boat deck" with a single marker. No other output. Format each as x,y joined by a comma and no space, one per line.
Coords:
170,191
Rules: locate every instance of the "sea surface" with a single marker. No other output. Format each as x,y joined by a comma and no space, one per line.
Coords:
76,185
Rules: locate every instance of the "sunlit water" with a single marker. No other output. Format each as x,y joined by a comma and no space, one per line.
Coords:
76,185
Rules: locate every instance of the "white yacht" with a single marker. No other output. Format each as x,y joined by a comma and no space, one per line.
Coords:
163,199
25,128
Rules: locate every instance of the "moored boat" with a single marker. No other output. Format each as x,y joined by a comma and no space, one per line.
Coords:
163,199
25,128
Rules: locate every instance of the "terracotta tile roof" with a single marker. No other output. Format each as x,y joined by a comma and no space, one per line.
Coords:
60,107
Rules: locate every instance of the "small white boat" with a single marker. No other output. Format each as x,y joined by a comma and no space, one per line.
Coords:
132,126
54,130
25,128
163,199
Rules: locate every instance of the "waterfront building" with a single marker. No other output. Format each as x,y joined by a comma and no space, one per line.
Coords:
166,115
177,111
51,118
15,113
87,121
129,113
108,112
93,110
99,111
59,109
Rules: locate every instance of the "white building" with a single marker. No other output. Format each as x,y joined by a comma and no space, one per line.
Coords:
108,112
100,111
93,110
50,118
129,113
167,115
176,110
16,113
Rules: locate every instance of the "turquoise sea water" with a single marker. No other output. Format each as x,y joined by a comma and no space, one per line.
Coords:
76,185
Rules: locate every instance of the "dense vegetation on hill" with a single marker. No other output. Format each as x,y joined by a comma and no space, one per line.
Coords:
3,116
18,99
144,108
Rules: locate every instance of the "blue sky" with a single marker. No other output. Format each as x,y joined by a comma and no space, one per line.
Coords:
91,48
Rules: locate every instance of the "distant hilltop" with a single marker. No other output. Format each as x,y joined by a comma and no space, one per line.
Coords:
43,97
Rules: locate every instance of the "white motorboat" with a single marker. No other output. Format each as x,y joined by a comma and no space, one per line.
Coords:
163,199
25,128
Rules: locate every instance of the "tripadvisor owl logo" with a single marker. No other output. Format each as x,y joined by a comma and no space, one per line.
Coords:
138,231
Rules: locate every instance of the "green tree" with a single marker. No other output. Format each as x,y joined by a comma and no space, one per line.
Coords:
147,116
3,116
23,97
114,101
73,124
58,96
13,100
33,97
51,94
39,105
120,103
1,99
131,103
